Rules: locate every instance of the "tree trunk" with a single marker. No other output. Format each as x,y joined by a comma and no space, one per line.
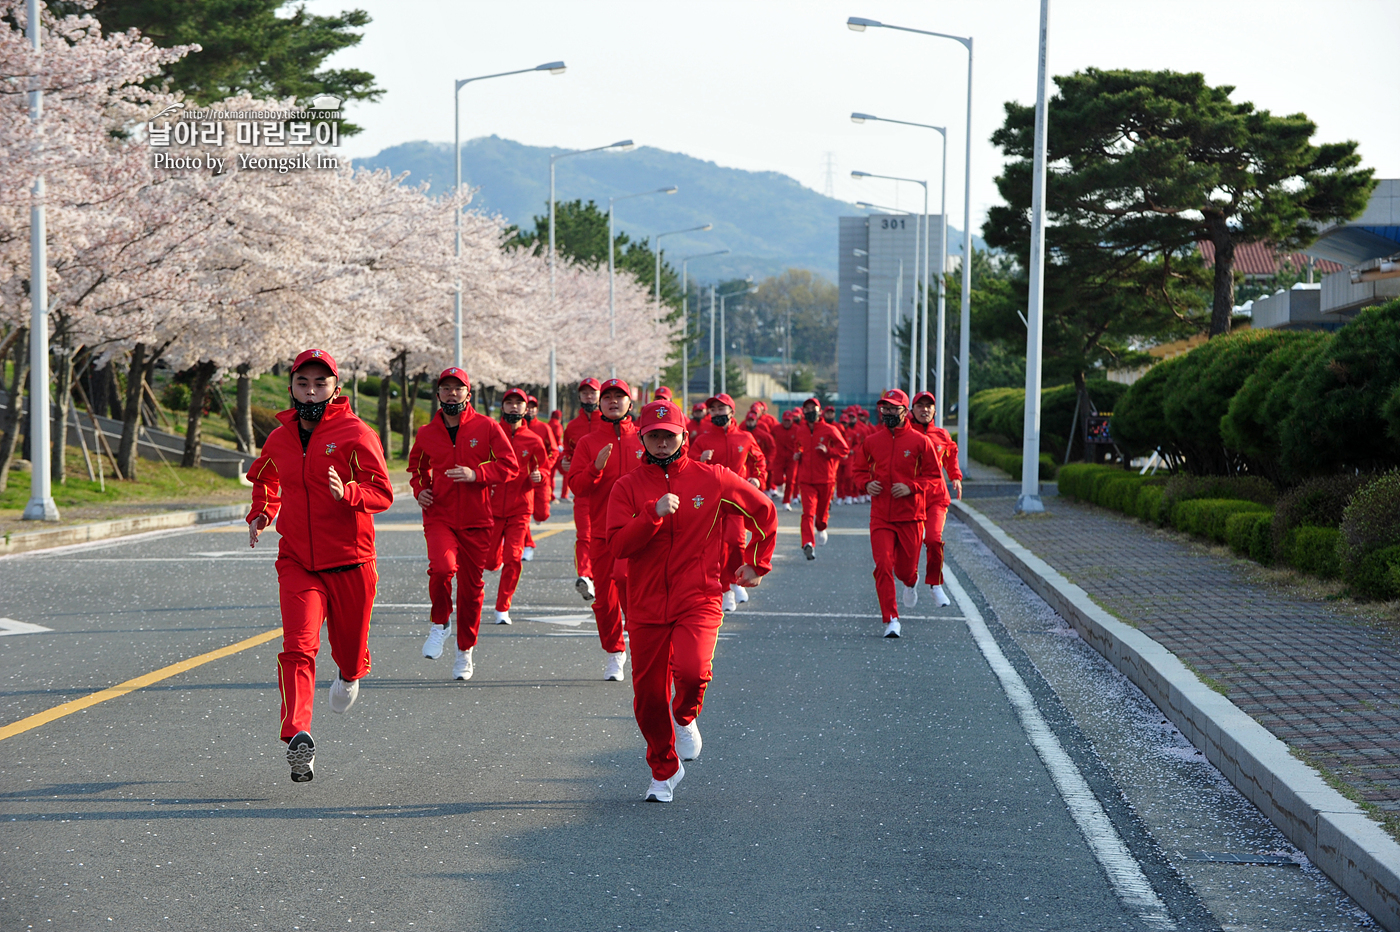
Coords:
404,402
14,412
63,398
199,391
385,382
126,451
1223,306
243,410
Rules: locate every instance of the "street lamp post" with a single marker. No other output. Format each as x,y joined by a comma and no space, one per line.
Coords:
1029,501
943,264
656,277
612,307
914,317
625,145
723,346
41,506
685,326
860,24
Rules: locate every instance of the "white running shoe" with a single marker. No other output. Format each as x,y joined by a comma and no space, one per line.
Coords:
301,754
741,595
662,791
892,628
527,555
688,741
787,506
940,598
911,595
343,694
821,537
464,667
437,636
584,585
810,551
729,603
613,670
503,618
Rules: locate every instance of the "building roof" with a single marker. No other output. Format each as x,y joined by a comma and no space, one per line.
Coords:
1261,259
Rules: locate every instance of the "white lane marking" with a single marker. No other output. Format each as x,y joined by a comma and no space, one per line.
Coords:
572,621
10,626
739,613
1124,872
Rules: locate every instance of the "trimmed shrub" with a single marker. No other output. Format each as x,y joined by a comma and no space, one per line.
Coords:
1009,460
1337,420
1150,501
1250,425
1319,502
1121,493
1241,527
1314,550
1001,412
1371,523
1240,488
1206,517
1261,541
175,396
1076,480
1138,424
1378,575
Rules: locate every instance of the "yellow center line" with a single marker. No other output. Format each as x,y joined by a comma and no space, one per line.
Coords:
140,682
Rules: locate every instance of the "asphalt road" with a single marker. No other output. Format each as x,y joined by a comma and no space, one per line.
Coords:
847,781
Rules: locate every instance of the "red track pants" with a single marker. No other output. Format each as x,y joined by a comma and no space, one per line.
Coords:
679,654
610,588
343,602
583,539
816,510
895,547
508,536
933,542
462,554
790,489
735,537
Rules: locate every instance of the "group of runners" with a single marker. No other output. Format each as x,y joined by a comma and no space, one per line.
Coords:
675,521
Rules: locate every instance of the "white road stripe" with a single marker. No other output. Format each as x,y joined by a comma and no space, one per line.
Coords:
1124,872
10,626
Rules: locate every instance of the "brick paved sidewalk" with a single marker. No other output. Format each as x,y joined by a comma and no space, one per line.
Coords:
1322,679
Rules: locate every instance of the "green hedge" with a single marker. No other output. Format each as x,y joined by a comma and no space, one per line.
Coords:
1207,517
1244,528
991,454
1378,574
1313,550
1001,412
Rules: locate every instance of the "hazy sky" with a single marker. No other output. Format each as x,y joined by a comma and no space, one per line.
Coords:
770,84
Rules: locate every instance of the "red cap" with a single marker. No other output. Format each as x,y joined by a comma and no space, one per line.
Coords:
617,384
895,396
516,392
698,409
589,383
814,400
922,396
556,415
532,400
722,398
661,394
452,372
761,404
316,355
661,415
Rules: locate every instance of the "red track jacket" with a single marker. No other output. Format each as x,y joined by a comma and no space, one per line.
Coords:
318,532
482,445
673,563
889,456
947,455
766,442
518,495
585,479
734,448
581,426
816,467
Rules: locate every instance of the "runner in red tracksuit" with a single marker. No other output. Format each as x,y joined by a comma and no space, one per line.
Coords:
723,444
546,490
664,519
785,468
516,500
456,458
697,419
818,449
895,466
580,427
921,413
599,460
327,467
754,425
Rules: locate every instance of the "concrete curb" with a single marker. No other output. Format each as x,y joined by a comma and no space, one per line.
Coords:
126,527
1332,831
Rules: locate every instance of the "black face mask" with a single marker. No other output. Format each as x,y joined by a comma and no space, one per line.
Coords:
667,461
891,420
589,406
454,407
310,410
512,418
529,417
719,420
809,416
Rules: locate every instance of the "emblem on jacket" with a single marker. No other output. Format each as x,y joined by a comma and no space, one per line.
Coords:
906,452
473,441
698,500
330,448
741,448
639,454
